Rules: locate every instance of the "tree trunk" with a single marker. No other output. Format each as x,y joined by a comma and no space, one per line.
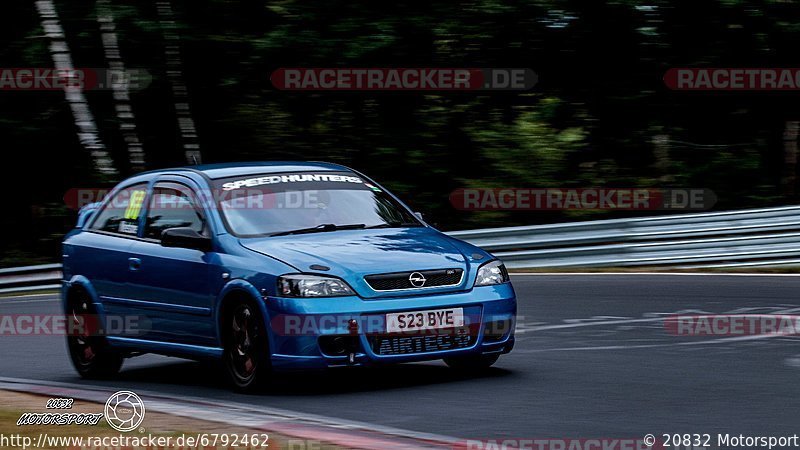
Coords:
790,158
661,153
88,134
180,93
119,85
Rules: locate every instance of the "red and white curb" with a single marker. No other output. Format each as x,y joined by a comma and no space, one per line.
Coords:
347,434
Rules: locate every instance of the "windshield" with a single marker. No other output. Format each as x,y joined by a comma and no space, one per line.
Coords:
305,202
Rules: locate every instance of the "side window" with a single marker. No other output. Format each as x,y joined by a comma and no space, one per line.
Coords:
172,205
121,214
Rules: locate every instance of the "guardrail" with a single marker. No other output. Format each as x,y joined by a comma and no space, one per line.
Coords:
30,278
757,237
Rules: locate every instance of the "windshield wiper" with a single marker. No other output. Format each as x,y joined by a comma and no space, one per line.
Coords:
396,225
321,229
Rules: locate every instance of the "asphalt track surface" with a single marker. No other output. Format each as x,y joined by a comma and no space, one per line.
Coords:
593,360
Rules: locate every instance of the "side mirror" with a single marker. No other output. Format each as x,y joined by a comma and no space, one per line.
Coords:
86,213
421,217
185,238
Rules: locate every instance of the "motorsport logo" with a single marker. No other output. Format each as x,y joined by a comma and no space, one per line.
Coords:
404,79
124,411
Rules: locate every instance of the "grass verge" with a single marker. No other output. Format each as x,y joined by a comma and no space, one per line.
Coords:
157,424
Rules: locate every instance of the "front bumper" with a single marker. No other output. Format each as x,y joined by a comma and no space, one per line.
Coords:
298,327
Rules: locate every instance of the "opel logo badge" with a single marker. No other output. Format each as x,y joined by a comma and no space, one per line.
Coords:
417,279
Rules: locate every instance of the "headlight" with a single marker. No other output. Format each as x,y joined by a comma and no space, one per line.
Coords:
493,272
312,286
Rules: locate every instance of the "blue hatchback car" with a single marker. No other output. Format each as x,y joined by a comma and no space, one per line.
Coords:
276,266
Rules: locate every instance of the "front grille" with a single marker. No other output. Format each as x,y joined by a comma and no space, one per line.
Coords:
402,280
405,345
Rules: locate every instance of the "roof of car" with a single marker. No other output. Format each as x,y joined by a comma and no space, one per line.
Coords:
215,171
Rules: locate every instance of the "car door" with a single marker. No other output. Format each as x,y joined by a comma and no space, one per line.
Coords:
172,285
102,254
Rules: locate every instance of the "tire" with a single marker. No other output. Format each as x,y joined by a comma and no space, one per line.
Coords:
246,349
472,362
90,355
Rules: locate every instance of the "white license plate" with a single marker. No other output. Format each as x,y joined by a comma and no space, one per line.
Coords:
425,320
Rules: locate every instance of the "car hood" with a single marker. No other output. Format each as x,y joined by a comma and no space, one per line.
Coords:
353,254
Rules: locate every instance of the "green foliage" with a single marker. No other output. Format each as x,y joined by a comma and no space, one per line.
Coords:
591,120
